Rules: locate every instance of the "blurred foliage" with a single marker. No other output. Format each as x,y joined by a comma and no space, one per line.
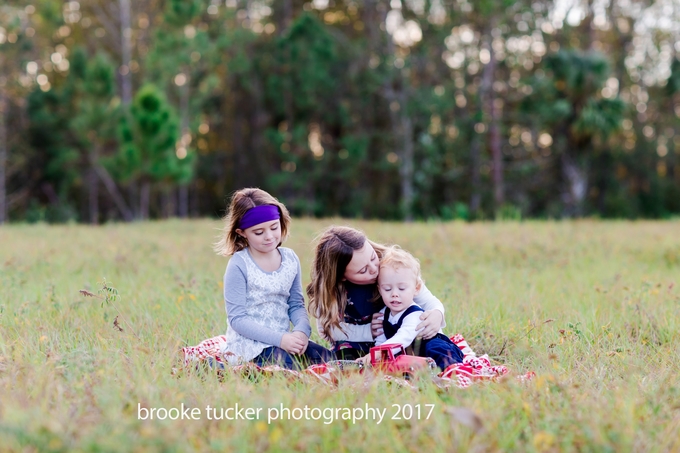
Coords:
374,109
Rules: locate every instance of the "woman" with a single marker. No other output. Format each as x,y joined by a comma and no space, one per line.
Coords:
343,293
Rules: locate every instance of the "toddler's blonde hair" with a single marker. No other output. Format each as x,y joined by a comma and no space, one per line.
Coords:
398,258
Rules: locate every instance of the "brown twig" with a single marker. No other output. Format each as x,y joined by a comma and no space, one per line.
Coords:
109,299
116,325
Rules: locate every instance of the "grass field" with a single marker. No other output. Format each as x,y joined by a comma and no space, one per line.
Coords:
592,307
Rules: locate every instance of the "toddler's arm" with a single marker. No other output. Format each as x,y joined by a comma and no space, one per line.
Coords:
407,332
365,359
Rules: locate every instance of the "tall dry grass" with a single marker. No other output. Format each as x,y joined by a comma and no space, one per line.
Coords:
592,307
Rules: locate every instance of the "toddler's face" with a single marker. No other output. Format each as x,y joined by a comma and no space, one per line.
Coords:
398,287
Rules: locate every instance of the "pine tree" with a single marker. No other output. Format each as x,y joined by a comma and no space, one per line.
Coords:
148,134
97,109
568,103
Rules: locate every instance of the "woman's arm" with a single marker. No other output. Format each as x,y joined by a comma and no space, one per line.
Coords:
433,318
427,301
235,279
380,338
352,332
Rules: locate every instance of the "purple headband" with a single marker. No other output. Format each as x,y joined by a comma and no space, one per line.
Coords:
259,214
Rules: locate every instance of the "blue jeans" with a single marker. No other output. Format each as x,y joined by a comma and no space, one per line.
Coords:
442,350
274,355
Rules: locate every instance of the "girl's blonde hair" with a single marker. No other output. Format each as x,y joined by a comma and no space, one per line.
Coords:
326,292
242,200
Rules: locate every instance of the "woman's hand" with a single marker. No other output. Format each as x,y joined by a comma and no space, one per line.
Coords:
293,344
430,323
377,324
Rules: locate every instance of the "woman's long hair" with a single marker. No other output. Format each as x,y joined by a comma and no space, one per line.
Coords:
327,296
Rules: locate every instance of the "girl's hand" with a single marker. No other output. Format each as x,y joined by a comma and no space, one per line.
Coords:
376,324
302,337
292,343
431,322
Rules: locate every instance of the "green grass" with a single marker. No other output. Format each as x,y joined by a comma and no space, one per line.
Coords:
607,364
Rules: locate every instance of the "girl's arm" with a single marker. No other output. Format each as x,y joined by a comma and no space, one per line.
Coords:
296,303
235,279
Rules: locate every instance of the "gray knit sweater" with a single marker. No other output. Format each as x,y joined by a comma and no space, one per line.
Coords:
262,305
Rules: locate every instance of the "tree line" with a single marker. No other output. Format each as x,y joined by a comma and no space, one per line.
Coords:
391,109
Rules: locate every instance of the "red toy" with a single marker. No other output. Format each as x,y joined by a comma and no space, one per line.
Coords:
383,359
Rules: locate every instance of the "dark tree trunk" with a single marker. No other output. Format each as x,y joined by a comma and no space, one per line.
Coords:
93,187
183,201
184,115
133,196
484,94
575,185
3,158
194,196
168,202
238,151
93,196
406,161
396,91
475,182
111,187
126,51
144,199
495,136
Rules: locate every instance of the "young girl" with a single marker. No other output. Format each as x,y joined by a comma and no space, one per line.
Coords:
262,286
343,292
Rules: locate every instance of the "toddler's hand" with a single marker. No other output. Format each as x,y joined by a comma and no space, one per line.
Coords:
292,343
365,359
431,322
302,337
377,324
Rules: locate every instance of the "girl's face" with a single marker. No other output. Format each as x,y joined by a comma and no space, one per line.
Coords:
364,266
264,237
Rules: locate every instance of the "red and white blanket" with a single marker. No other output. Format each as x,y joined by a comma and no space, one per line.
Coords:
460,375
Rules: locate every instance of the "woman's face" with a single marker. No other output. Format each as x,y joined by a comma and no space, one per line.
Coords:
364,266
